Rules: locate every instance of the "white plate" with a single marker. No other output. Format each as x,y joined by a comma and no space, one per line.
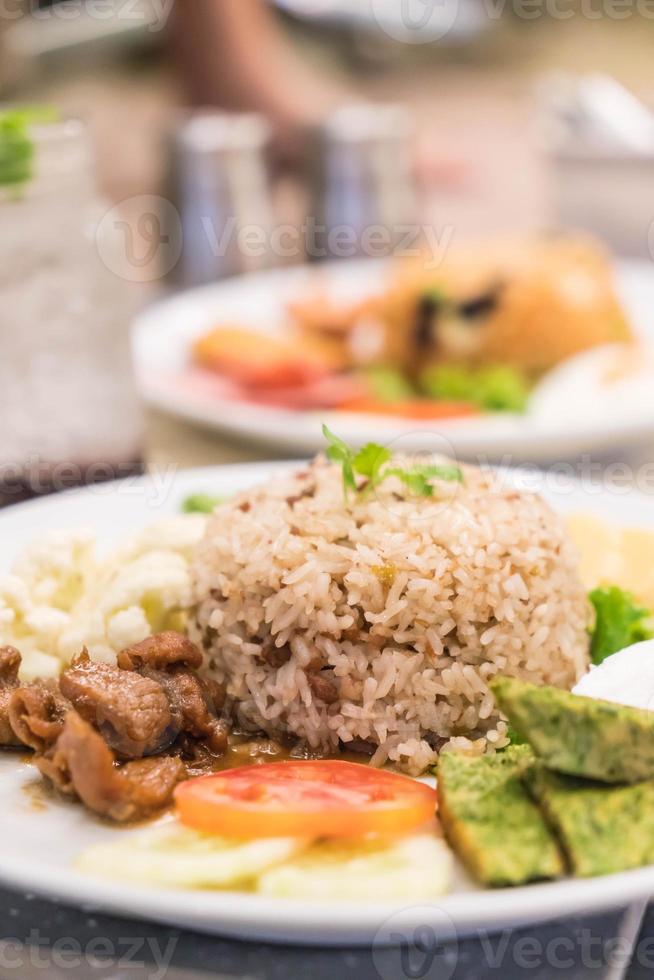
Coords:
38,843
163,335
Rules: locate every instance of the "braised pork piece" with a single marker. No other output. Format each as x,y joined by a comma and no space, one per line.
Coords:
9,667
118,738
36,715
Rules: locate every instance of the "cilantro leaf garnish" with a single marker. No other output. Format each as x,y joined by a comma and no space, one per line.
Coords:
339,452
619,622
418,478
371,463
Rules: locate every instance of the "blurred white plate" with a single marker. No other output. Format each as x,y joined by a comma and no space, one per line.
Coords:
163,335
40,836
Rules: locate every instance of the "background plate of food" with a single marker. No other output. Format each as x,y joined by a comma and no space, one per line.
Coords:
226,714
537,350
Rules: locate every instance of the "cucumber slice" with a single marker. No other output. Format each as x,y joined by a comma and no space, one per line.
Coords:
413,868
178,857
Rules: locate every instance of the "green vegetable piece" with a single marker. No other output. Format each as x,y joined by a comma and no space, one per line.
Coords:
503,389
496,388
417,482
388,385
449,382
580,736
491,821
16,154
16,144
619,622
339,452
201,503
602,829
370,461
418,478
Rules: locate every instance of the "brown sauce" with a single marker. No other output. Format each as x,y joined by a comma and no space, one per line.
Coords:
242,750
246,750
38,794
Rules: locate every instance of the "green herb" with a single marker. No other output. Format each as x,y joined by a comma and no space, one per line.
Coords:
370,463
619,622
367,462
503,389
339,452
496,388
201,503
16,144
388,385
418,478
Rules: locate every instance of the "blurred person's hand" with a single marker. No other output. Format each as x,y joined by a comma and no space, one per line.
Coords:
234,55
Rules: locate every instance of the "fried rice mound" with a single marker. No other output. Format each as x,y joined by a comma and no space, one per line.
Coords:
375,623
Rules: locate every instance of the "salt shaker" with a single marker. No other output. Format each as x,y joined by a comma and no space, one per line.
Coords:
218,185
68,404
363,187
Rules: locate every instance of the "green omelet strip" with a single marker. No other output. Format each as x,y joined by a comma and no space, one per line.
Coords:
580,736
490,820
603,829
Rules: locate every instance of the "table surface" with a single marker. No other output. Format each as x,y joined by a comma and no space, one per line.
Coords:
172,442
40,938
43,939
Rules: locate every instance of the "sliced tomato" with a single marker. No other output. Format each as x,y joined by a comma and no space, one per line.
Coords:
326,392
305,799
413,409
255,359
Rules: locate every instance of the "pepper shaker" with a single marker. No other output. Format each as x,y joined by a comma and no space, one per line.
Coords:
218,184
363,187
